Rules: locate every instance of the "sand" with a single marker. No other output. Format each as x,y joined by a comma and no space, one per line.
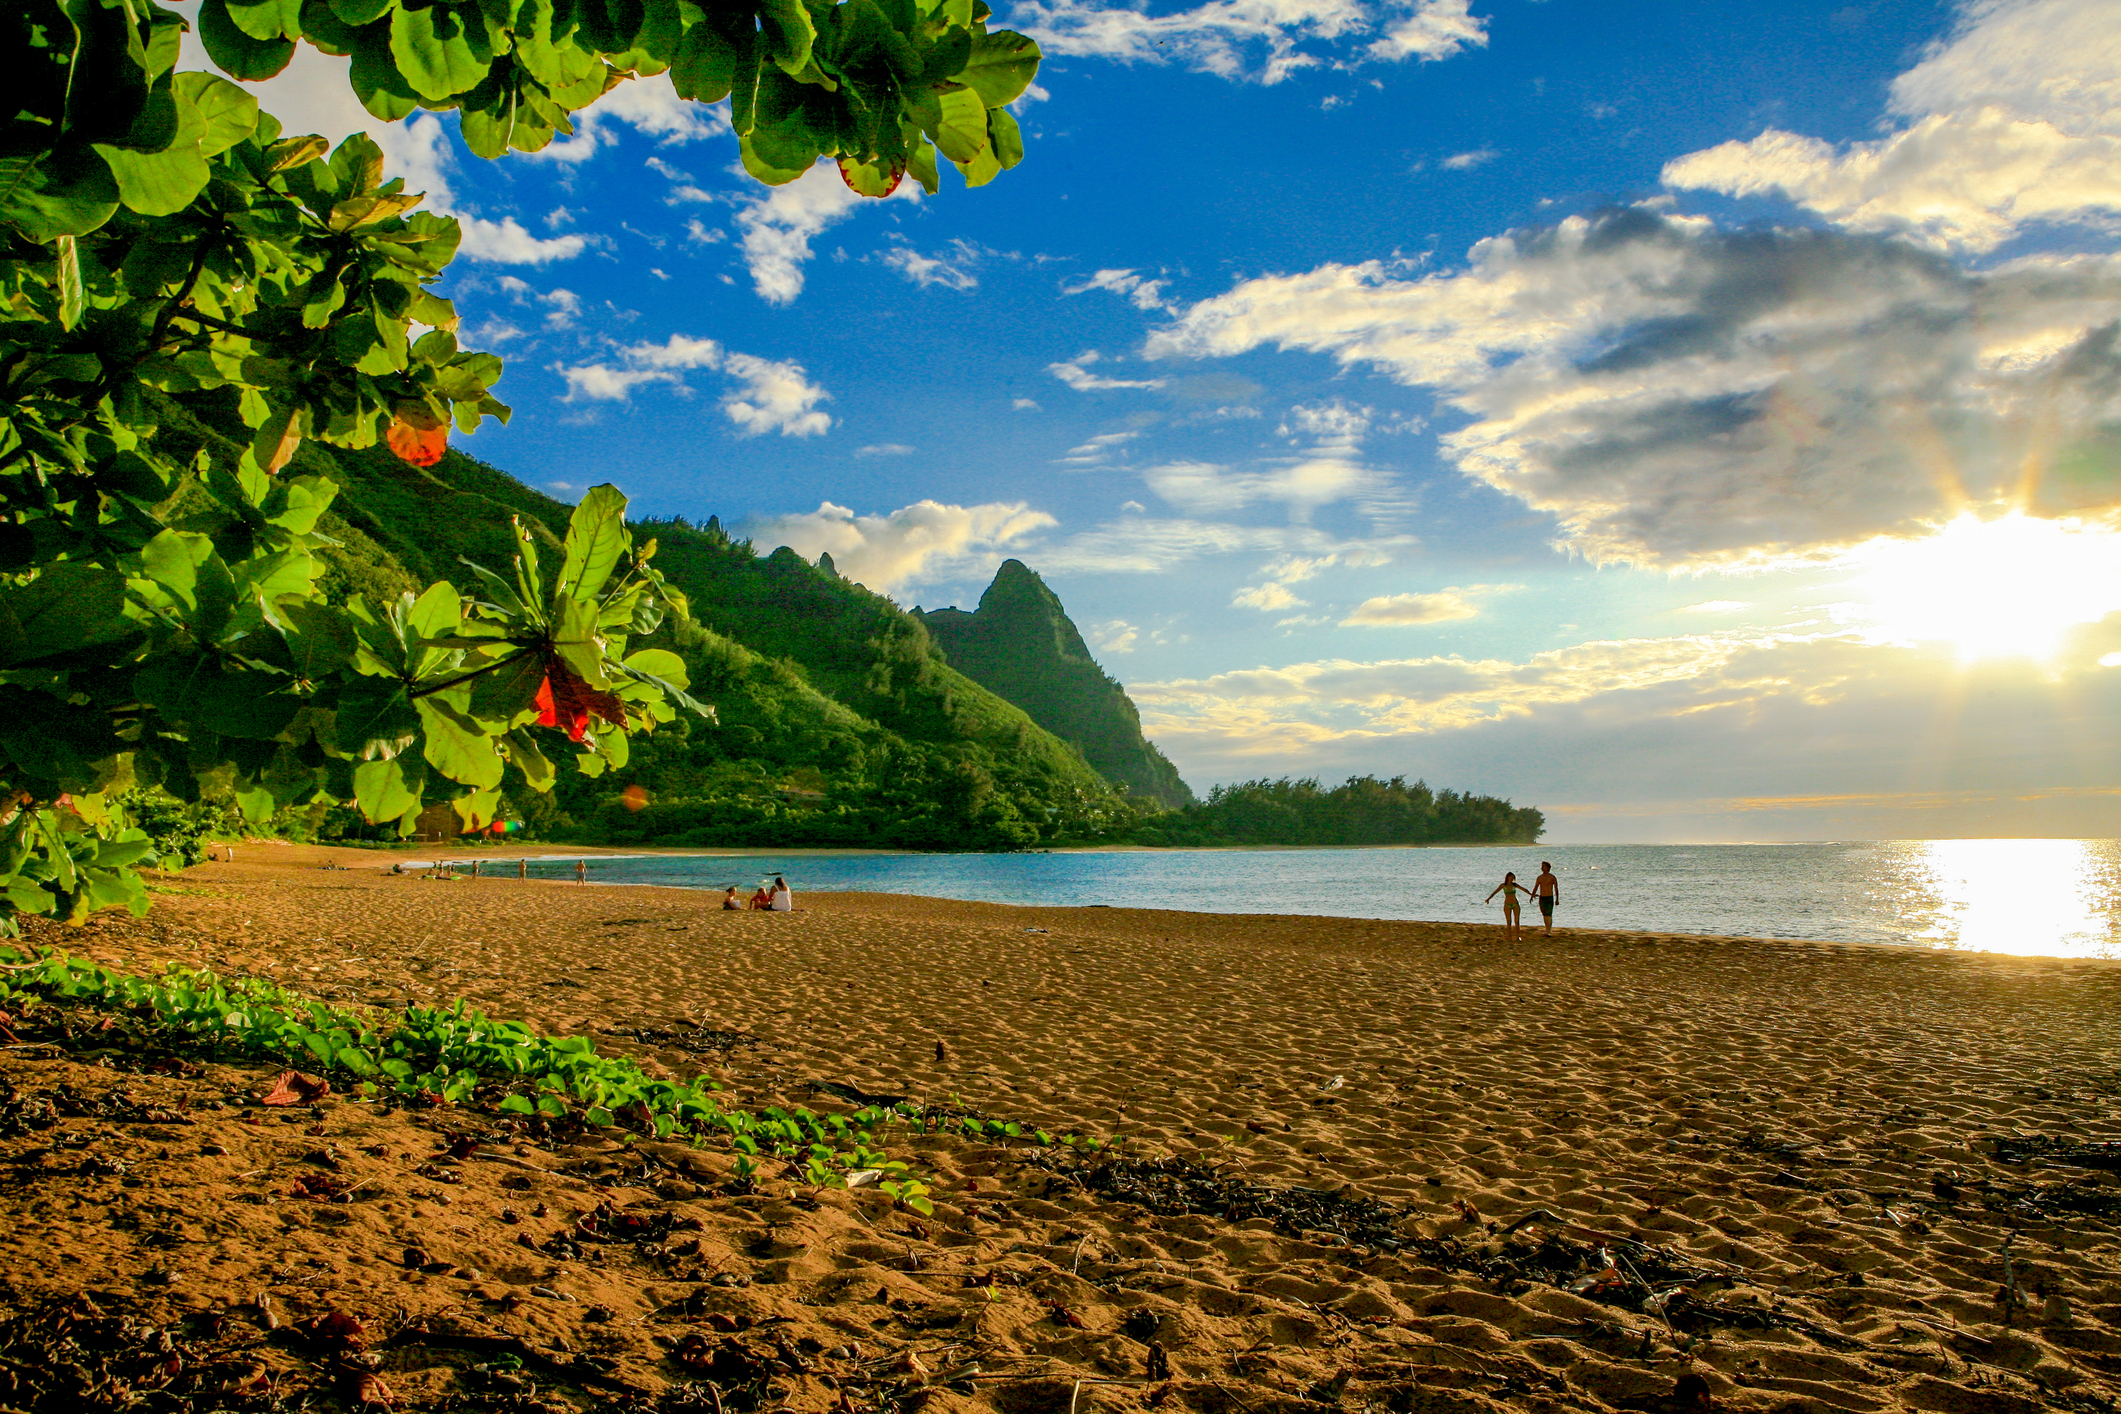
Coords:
1806,1129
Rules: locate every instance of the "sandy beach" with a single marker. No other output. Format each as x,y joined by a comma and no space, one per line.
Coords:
1790,1148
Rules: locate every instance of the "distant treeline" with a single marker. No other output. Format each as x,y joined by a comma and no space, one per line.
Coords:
1361,810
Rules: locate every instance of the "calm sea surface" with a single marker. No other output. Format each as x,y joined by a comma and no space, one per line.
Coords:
2054,897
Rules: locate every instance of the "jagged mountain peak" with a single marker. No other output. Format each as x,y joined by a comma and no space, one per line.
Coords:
1021,645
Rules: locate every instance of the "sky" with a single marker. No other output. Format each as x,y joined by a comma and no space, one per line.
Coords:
1699,421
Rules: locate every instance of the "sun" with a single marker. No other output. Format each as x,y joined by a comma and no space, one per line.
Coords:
2006,588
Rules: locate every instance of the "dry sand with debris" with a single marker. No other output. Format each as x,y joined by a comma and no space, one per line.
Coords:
1787,1150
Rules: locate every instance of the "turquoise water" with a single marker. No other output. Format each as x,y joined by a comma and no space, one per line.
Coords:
2053,897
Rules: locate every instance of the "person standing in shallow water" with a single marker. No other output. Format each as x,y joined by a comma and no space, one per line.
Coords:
1512,910
1547,889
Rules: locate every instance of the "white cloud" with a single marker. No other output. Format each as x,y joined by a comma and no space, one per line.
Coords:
1434,30
1142,544
1252,39
600,382
916,543
2015,120
649,106
776,397
952,271
1023,405
1680,396
777,228
1267,597
1467,161
1414,610
1077,375
1295,569
1334,421
1141,293
1302,484
1430,694
886,449
1717,606
770,397
677,351
1098,450
1119,636
561,306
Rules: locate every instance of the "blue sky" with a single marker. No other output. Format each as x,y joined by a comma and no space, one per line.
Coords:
1699,421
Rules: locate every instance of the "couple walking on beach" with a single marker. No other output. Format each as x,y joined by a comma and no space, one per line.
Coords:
1546,889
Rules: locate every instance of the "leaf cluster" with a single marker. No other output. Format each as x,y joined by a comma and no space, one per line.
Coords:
883,85
457,1055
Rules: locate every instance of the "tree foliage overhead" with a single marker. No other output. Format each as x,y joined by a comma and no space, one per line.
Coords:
165,249
882,85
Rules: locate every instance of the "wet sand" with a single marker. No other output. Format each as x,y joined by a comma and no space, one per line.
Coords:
1808,1125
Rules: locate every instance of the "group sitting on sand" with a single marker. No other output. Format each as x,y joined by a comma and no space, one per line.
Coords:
776,899
1546,889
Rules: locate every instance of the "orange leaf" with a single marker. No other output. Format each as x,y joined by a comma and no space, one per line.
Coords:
422,446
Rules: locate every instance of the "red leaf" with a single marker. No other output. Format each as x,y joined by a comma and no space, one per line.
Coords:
565,700
335,1328
292,1087
422,446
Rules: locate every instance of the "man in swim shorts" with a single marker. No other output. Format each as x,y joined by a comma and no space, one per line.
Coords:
1547,890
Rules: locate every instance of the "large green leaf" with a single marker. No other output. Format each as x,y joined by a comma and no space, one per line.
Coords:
157,183
961,132
389,790
230,114
1005,137
67,606
375,717
596,539
705,68
67,192
438,54
1001,67
787,33
509,691
376,81
236,52
457,746
267,19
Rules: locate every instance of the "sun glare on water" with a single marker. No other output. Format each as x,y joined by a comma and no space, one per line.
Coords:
2006,588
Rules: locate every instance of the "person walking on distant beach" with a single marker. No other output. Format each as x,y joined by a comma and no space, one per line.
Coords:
1512,910
1547,889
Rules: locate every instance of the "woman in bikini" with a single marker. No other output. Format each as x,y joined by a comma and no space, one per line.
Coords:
1512,910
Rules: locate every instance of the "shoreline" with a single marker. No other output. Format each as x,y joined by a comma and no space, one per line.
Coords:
335,857
1797,1141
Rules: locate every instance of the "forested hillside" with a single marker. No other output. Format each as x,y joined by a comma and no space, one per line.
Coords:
837,721
1021,643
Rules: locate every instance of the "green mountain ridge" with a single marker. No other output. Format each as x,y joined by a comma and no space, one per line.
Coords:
837,719
1021,645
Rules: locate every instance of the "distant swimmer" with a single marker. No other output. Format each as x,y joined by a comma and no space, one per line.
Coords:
1547,889
1512,910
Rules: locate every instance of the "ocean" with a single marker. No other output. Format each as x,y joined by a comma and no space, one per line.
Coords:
2046,897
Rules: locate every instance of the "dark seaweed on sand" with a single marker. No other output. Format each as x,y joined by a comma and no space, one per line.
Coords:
1173,1186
